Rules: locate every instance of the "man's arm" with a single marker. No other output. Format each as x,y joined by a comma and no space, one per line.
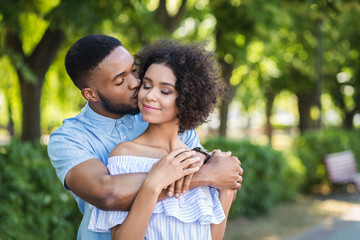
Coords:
227,172
90,180
222,171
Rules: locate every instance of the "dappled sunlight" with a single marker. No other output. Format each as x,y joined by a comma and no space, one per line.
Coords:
353,214
333,208
272,238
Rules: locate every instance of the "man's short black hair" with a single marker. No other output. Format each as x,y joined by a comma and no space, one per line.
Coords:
86,54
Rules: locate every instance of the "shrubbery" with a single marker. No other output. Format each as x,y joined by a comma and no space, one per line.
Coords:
268,177
34,204
312,147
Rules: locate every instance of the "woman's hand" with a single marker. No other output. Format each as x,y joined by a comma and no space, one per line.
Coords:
172,167
182,185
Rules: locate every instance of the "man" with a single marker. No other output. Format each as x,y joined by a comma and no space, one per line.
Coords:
106,74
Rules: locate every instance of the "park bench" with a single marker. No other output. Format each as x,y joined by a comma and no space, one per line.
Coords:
342,169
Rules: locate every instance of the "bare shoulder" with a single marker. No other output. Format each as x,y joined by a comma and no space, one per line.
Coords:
124,149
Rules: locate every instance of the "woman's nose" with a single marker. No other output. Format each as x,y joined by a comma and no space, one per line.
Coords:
150,96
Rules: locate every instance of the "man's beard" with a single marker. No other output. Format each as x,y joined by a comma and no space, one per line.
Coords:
117,108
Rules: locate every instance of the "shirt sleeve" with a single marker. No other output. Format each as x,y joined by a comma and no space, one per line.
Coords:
190,138
66,151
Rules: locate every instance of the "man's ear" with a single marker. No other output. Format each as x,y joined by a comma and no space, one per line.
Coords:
89,94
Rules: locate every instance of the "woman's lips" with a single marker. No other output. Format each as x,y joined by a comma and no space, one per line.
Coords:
148,107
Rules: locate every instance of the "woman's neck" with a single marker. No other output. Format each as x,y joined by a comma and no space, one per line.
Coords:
163,136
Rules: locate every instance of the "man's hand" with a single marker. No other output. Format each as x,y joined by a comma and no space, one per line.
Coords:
222,171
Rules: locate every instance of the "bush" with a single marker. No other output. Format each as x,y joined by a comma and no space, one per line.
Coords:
312,147
267,177
34,204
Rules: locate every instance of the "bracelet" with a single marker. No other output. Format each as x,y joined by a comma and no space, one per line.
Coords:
203,151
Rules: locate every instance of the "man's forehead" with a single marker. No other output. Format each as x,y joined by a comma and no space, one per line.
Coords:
120,53
119,56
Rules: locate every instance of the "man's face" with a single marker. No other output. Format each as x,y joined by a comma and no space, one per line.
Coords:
116,82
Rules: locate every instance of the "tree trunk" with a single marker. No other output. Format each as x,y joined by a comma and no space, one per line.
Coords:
270,96
319,58
227,70
224,111
38,62
305,101
163,18
348,123
30,99
10,125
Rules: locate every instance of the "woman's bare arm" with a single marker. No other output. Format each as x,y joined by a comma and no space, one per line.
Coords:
226,197
164,172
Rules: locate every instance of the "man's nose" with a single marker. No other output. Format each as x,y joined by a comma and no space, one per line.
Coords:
134,81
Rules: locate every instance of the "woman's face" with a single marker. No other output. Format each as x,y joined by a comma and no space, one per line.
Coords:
157,95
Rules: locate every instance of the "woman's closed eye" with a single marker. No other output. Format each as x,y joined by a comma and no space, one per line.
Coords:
146,86
166,92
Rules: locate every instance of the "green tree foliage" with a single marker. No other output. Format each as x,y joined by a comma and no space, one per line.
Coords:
273,43
33,33
343,59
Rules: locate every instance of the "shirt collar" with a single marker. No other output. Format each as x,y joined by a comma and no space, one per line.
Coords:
105,123
128,120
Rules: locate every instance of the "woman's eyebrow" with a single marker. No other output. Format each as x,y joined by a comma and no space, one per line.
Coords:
161,83
148,79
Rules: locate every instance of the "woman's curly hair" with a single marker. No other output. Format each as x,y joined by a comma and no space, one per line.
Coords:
198,83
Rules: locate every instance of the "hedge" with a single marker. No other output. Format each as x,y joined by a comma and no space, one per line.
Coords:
268,177
312,147
34,204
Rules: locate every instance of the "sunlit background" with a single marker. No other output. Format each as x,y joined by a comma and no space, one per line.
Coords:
290,65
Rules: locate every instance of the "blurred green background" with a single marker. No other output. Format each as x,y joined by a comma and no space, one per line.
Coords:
292,69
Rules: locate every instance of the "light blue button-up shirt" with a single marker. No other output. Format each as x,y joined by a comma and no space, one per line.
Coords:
90,135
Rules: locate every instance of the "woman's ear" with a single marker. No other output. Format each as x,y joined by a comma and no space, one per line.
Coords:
89,94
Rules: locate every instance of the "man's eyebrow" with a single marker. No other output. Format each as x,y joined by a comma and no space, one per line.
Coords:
161,83
122,73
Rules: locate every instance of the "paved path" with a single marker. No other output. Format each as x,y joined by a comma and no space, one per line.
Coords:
345,227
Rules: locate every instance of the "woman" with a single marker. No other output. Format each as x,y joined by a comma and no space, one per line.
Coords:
179,90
